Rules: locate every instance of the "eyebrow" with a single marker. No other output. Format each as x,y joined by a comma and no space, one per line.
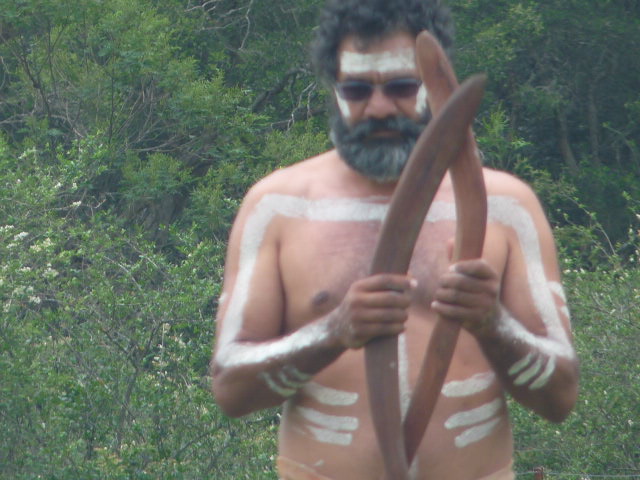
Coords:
355,63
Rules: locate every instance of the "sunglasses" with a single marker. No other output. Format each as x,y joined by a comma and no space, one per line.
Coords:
360,90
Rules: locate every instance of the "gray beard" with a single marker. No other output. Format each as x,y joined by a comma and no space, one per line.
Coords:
379,158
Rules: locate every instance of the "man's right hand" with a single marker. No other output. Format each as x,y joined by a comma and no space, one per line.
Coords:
373,307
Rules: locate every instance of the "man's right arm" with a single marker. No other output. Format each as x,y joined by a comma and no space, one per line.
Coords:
258,364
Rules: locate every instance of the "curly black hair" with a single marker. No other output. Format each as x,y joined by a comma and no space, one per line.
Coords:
373,19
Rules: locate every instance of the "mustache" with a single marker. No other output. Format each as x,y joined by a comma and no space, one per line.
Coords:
404,126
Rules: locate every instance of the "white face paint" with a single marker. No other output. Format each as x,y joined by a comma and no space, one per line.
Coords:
401,61
421,100
354,63
343,106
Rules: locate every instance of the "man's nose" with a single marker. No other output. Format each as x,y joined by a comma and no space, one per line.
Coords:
379,105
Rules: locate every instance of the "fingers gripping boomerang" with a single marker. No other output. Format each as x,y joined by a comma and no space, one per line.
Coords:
446,142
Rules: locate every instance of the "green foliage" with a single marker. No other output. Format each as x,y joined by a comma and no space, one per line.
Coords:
132,129
601,436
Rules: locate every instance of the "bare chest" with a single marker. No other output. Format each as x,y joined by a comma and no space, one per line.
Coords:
320,259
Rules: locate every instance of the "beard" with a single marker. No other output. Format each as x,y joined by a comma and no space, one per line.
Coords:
383,158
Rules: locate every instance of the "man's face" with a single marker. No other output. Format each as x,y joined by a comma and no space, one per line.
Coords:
381,105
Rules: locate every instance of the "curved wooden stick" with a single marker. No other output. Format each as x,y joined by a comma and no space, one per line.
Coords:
435,149
471,215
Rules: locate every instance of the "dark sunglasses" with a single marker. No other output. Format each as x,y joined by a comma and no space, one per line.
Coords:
360,90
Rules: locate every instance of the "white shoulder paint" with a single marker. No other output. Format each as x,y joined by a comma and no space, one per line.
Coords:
558,289
508,211
354,63
329,396
470,386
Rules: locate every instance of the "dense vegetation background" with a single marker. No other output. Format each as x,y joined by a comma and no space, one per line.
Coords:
132,128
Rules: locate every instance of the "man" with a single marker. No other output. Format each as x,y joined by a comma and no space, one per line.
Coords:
298,304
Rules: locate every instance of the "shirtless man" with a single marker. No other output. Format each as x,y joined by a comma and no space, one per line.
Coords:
298,304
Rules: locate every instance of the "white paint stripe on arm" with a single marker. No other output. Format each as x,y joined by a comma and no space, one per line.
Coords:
508,211
543,379
521,364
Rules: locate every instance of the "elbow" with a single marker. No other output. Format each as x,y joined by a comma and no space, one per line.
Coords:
564,404
225,400
226,396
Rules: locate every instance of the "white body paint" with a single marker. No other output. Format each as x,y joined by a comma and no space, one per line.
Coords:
287,381
329,396
477,433
464,388
474,416
335,429
330,429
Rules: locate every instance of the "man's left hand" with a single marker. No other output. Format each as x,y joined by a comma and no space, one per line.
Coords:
468,293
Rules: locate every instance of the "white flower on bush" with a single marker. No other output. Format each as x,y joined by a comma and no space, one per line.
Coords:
46,243
20,236
50,273
34,299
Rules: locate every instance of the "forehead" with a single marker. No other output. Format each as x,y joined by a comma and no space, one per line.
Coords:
393,53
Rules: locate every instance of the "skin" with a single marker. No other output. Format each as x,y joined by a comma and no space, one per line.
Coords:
299,306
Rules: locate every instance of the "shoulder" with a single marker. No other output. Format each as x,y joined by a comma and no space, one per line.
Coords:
504,185
298,180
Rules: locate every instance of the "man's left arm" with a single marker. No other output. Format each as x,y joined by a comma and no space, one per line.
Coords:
518,315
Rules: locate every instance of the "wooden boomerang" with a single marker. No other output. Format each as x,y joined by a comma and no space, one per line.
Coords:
471,219
440,143
446,137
